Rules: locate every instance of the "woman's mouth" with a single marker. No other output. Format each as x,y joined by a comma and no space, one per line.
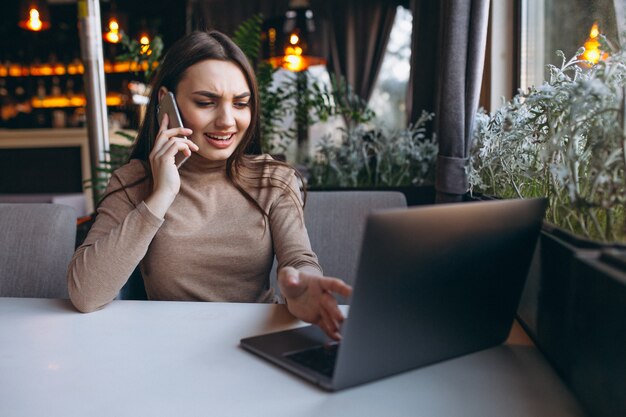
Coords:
220,141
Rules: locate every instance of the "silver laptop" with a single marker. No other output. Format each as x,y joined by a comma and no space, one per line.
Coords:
433,283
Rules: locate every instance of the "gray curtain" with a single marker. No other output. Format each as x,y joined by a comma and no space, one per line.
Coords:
620,17
359,32
227,15
422,86
463,38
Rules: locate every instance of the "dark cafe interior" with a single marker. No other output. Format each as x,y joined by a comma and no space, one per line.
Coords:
313,207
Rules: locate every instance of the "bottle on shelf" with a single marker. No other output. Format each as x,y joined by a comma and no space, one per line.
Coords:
69,88
41,89
55,91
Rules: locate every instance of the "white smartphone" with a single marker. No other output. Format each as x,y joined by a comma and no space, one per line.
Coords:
168,106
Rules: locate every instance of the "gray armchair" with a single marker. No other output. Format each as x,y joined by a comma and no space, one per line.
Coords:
36,244
335,221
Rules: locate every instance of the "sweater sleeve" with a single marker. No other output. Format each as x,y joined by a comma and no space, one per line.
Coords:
289,234
116,243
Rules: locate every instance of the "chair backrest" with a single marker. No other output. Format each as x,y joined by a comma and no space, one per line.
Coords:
335,221
36,244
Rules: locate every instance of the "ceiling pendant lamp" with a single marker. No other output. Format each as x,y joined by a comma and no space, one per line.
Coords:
292,41
34,15
114,23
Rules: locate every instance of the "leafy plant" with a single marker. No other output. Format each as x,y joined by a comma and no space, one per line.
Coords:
118,155
300,97
364,156
376,157
337,100
276,102
145,57
564,140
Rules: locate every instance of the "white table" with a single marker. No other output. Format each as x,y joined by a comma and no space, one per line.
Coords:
147,358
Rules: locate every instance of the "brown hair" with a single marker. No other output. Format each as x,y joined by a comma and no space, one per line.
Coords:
193,48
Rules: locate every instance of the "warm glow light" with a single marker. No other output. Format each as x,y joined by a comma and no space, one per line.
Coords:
74,101
33,22
113,35
294,57
294,63
293,50
59,69
73,68
15,70
592,52
144,40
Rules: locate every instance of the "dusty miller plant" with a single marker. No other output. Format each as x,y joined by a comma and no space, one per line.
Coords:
564,140
376,157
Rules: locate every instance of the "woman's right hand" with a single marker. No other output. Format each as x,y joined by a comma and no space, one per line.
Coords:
165,177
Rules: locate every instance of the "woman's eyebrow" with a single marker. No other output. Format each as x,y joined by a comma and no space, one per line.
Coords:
210,94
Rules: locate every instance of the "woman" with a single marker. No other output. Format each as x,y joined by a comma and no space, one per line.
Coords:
209,230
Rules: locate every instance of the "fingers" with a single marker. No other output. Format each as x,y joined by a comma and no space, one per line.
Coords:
310,298
175,145
329,326
335,285
165,134
331,316
329,305
167,144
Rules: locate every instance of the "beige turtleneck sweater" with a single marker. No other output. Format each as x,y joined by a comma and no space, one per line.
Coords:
212,245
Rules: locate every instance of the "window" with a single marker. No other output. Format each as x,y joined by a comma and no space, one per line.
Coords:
551,25
389,95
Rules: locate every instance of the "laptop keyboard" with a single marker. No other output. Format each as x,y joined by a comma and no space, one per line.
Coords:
321,359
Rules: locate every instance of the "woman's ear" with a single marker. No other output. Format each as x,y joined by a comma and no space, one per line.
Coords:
162,92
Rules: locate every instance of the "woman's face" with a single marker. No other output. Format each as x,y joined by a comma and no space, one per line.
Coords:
213,98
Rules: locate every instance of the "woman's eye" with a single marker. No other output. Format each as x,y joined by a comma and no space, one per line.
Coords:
241,104
205,103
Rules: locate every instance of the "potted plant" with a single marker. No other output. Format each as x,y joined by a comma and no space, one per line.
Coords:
374,157
566,140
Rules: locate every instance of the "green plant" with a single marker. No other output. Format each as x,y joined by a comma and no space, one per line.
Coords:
145,57
117,155
364,156
564,140
375,157
300,97
276,102
338,99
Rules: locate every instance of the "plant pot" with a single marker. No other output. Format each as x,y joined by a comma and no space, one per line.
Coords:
597,371
415,195
546,307
574,308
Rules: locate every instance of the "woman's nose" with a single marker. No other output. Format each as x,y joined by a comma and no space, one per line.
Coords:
225,117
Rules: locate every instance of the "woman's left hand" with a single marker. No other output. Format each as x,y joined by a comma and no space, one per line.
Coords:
310,298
